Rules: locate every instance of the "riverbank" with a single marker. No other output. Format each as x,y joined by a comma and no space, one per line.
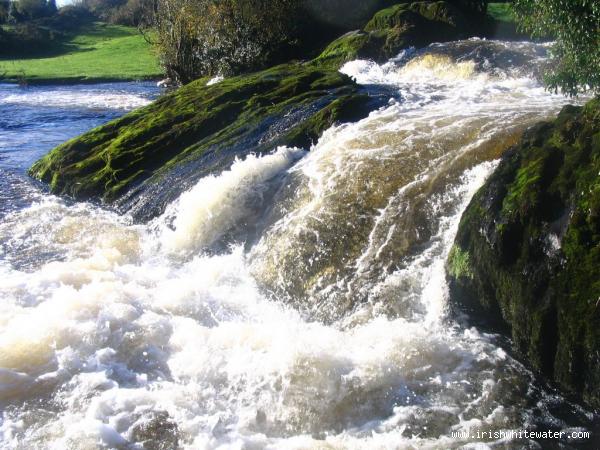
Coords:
95,53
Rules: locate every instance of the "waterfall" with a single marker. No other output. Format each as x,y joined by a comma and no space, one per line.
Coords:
295,300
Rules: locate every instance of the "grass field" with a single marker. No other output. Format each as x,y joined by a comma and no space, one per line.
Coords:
96,52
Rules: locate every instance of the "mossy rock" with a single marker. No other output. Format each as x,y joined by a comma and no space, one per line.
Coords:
399,27
353,14
351,46
532,236
442,12
286,105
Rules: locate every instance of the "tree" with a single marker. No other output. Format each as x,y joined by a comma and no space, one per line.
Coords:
575,26
30,9
102,9
222,37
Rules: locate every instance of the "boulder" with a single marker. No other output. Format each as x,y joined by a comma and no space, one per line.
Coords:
526,259
401,26
199,129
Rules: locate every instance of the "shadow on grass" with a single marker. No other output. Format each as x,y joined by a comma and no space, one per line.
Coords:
103,30
47,51
33,42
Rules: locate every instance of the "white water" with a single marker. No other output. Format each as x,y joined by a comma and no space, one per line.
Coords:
219,203
329,331
93,96
215,80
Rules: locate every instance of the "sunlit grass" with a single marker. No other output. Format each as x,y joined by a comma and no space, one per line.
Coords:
97,52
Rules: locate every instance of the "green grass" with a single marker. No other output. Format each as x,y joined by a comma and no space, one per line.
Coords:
501,12
95,52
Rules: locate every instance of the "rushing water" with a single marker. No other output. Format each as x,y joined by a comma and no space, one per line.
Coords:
296,300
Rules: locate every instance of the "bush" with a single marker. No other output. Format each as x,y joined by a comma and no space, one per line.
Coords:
27,39
575,25
223,37
71,17
132,13
120,12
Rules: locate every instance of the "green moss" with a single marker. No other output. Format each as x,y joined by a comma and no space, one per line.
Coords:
399,16
533,237
346,48
391,17
184,125
459,263
523,192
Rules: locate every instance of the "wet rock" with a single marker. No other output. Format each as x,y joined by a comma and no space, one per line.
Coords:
526,259
158,433
404,25
146,158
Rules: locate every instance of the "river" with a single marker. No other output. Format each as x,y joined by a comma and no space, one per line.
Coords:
296,300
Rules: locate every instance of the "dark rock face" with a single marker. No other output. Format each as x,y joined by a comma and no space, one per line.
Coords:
527,254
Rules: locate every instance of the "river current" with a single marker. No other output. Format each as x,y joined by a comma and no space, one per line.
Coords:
297,300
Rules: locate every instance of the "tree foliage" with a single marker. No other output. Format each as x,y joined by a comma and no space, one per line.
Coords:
575,25
14,15
222,37
26,10
51,7
121,12
32,9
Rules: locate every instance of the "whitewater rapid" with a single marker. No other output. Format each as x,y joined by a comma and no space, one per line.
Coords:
296,300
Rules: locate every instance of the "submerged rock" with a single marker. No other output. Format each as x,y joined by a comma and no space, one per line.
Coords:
158,433
527,254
